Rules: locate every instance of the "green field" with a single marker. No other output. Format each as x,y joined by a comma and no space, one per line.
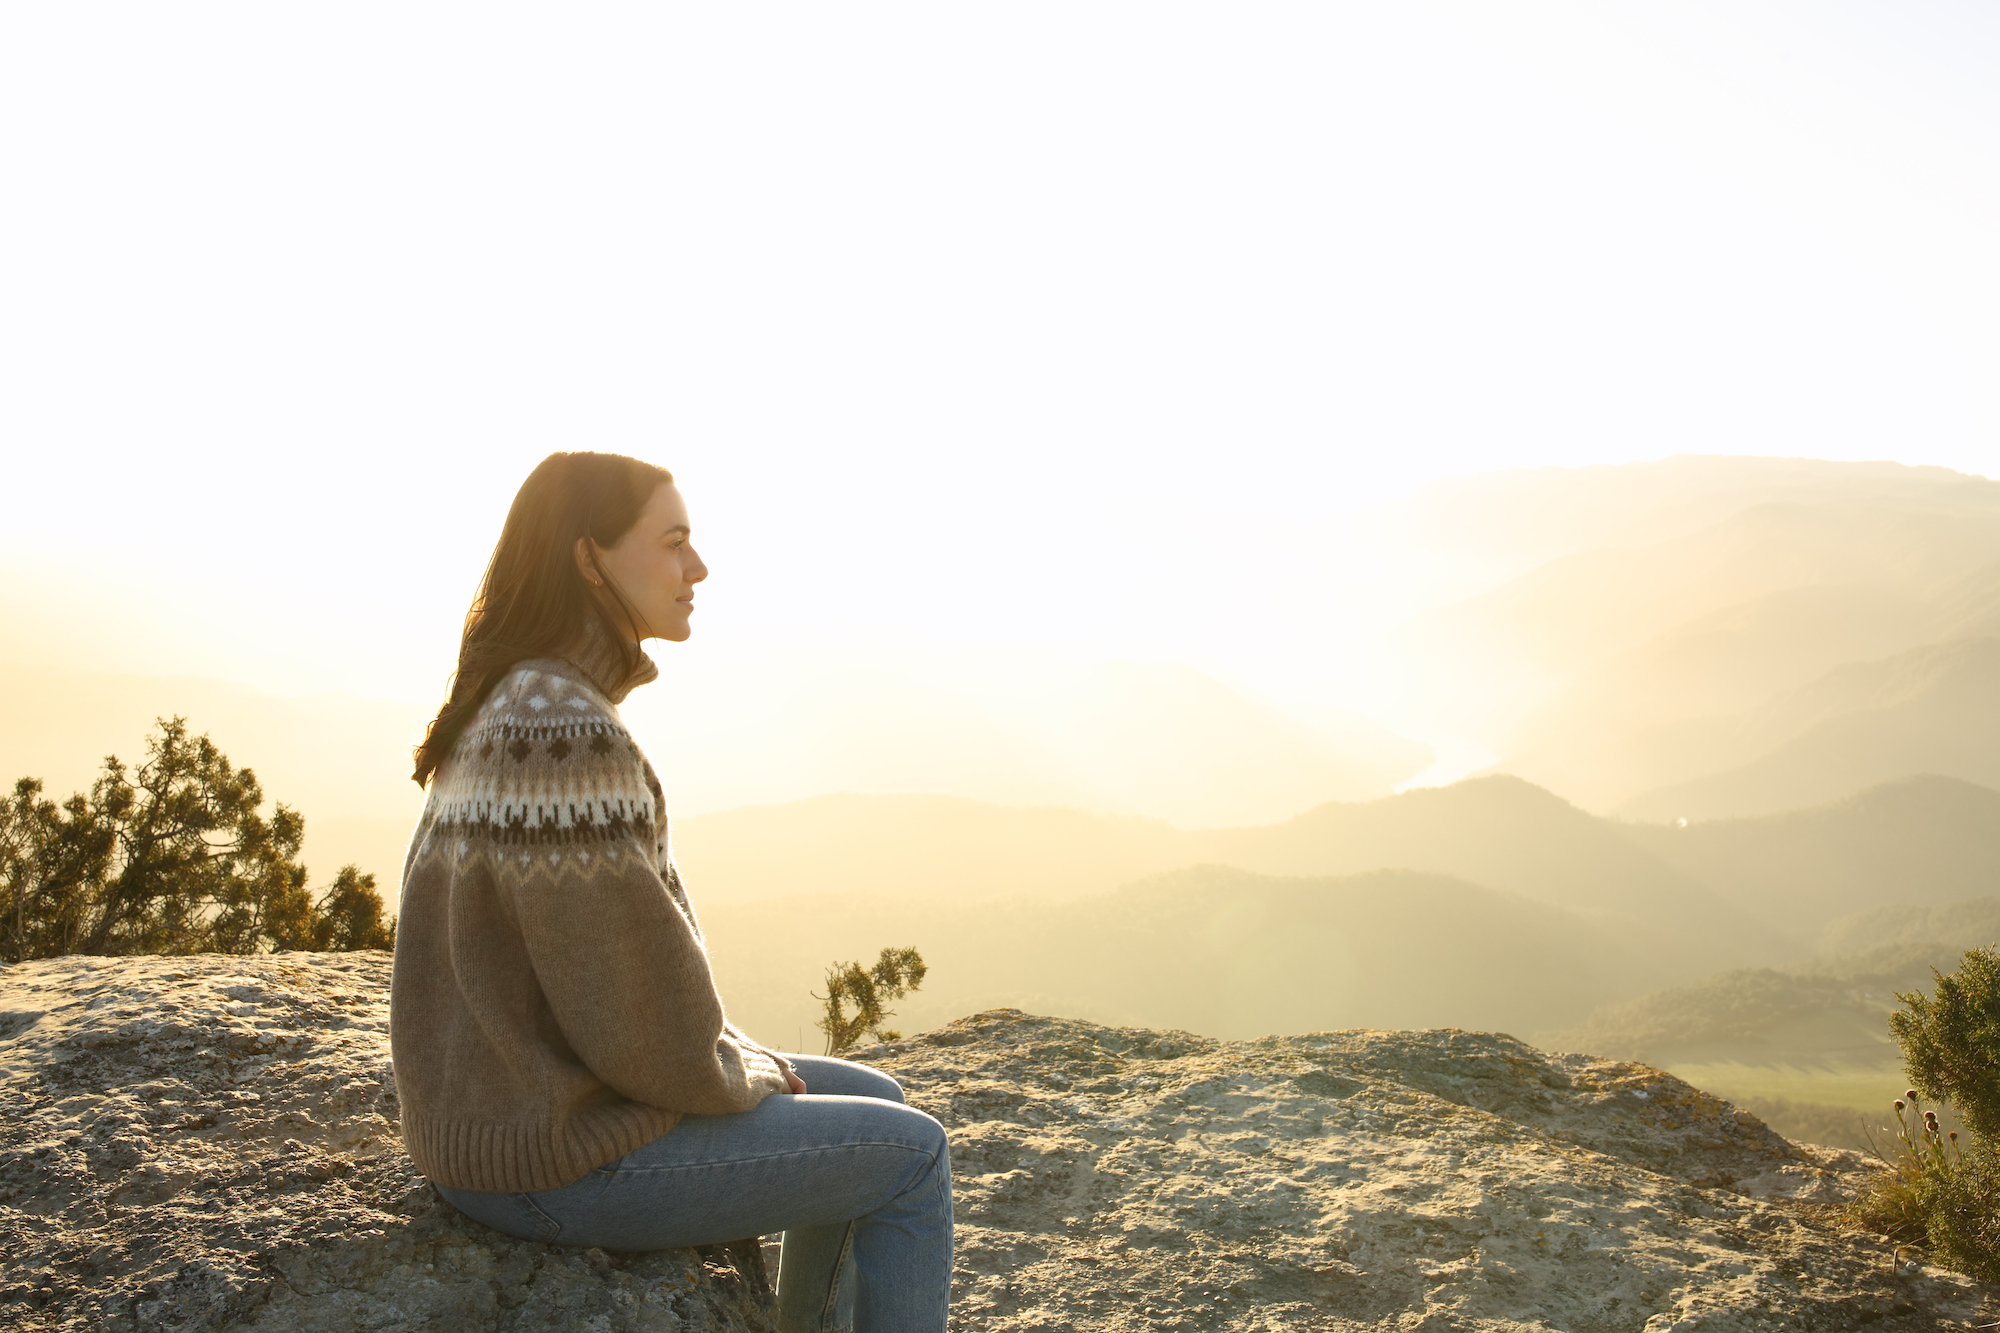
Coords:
1842,1105
1859,1087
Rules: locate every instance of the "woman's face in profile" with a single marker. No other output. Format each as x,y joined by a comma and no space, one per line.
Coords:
655,566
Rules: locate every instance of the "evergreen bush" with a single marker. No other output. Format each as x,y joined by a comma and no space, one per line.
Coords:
171,857
1940,1193
896,973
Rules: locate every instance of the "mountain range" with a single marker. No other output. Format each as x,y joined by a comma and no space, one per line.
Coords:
1574,910
1792,638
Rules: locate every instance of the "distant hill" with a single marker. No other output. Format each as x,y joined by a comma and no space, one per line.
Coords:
1973,923
1683,705
1503,833
1498,832
1934,709
1832,1011
1919,841
1211,949
1714,651
1806,1047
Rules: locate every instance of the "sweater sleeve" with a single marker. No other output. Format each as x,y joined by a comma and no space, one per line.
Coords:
622,967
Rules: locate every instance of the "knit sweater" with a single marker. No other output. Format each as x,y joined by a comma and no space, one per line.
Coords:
552,1007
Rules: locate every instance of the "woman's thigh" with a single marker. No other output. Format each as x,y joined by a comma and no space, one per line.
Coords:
792,1161
843,1078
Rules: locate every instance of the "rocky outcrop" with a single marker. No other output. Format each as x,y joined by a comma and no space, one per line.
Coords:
1124,1179
210,1143
204,1143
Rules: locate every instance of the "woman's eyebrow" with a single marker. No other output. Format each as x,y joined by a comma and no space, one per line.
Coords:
679,527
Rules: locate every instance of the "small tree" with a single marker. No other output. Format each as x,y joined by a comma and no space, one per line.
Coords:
1940,1192
1951,1041
896,973
172,857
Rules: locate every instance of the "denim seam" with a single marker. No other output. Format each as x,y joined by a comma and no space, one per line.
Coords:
841,1267
550,1227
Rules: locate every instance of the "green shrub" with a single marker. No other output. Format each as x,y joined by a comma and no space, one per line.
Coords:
1962,1215
170,857
1951,1041
896,973
1938,1193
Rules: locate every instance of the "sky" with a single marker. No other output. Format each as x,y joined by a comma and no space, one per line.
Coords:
988,334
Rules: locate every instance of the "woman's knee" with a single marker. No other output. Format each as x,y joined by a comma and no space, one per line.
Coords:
829,1076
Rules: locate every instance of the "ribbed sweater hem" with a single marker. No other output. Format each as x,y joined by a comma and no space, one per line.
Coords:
513,1158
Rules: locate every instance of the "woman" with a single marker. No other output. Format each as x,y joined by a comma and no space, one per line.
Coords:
565,1068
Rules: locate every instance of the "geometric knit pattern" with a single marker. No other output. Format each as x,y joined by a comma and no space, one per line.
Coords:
568,773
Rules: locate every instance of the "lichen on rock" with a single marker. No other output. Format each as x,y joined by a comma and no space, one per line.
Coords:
210,1143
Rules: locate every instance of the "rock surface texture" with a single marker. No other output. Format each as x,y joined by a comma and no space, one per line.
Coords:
210,1143
1122,1179
204,1143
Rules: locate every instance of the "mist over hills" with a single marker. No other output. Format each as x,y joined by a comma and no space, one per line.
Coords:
1914,843
1805,1045
1503,833
1822,634
1271,925
1825,1011
1970,923
1498,832
1934,709
1135,738
1211,949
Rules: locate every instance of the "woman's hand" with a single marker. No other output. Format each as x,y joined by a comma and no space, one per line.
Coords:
793,1083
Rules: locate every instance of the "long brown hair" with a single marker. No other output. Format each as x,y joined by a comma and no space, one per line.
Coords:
533,601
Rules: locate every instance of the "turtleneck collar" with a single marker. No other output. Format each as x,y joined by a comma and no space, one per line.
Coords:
601,658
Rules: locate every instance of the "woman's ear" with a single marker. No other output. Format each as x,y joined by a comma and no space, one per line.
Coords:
586,563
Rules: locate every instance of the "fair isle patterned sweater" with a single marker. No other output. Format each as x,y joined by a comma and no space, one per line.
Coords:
552,1007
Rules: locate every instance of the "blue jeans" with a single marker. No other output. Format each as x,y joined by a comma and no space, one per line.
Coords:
859,1183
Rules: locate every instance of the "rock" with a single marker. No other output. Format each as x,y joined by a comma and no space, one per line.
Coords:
204,1143
209,1143
1110,1178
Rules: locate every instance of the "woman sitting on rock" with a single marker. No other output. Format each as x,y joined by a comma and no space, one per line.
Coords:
565,1068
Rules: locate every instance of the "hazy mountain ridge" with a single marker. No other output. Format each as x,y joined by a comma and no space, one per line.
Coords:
1565,910
1538,632
1213,949
1919,841
1934,709
1832,1009
1732,664
1499,832
1968,924
1818,1025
